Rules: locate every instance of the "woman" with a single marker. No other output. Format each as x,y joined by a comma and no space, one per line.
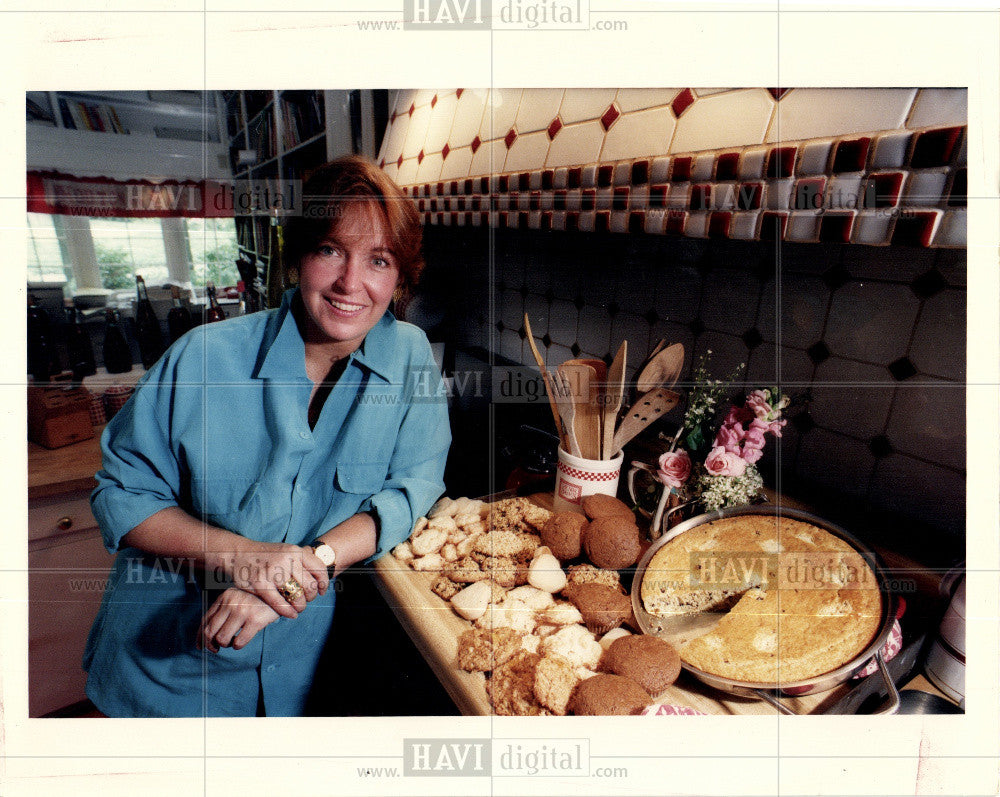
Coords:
321,423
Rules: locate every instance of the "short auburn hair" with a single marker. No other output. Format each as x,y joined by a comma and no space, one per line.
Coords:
325,197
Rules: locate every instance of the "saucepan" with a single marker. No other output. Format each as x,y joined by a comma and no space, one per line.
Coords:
688,626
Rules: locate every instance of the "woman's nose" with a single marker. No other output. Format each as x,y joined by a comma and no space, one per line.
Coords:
350,278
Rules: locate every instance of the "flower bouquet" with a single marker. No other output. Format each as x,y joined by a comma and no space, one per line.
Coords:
708,467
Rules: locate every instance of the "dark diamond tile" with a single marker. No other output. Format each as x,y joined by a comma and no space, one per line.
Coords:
500,327
610,116
880,446
696,327
914,228
778,93
818,352
476,144
836,228
549,296
902,369
637,221
680,170
579,303
640,172
780,162
605,174
957,197
772,226
719,223
444,152
749,196
524,291
651,317
575,348
752,338
935,147
726,166
682,102
882,190
510,138
803,422
836,277
522,333
554,127
547,340
928,284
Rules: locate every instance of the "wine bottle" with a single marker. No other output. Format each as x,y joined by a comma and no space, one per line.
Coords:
214,312
147,328
81,351
42,357
117,356
178,317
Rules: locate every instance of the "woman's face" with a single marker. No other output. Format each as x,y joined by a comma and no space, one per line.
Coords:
347,281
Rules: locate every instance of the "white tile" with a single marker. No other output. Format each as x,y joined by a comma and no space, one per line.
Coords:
457,164
638,198
696,225
638,99
659,170
678,198
803,225
708,92
813,113
535,180
503,202
489,158
604,198
744,226
468,117
560,176
655,221
871,227
416,131
940,108
702,165
524,201
579,105
535,220
724,196
813,157
407,174
392,172
938,346
890,150
844,193
528,152
587,220
423,96
537,110
404,99
440,122
952,230
622,174
574,199
547,200
778,194
925,187
576,145
619,221
732,119
394,138
500,112
559,220
752,163
588,177
639,134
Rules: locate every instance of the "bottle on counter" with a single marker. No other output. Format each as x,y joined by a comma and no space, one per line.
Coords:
117,355
242,288
147,327
214,311
178,317
78,345
43,359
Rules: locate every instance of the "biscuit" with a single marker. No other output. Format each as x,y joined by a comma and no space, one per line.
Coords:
605,695
482,650
563,533
445,588
555,680
588,574
612,543
649,661
430,562
575,644
428,541
601,606
512,686
595,506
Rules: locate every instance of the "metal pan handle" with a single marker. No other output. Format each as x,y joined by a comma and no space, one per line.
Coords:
892,706
763,694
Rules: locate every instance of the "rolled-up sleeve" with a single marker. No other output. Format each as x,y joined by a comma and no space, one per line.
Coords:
139,474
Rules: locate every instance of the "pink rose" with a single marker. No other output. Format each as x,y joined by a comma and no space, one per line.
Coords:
720,462
675,467
758,403
729,437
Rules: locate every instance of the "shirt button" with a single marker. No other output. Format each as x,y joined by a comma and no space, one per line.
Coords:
304,435
270,668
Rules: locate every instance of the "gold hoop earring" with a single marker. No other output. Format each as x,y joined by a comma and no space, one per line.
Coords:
293,276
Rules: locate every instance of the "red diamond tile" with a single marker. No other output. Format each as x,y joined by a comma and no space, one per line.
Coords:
602,221
778,93
935,147
444,152
434,100
836,227
554,127
523,181
548,178
637,221
749,196
605,174
915,228
882,190
682,102
399,161
610,116
809,193
780,161
681,170
458,93
772,226
420,156
381,163
718,225
476,142
851,155
412,109
510,138
675,221
392,118
726,166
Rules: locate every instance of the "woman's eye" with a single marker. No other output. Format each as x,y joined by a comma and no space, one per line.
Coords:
380,262
326,251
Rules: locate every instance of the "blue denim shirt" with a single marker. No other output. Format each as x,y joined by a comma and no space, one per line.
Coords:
219,428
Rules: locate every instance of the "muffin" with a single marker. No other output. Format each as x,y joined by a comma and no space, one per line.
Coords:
605,695
562,533
612,542
651,662
595,506
602,607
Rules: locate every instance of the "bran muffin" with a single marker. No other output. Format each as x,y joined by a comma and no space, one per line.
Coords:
562,534
649,661
612,542
605,695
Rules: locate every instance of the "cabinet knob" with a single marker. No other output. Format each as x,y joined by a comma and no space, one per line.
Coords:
65,522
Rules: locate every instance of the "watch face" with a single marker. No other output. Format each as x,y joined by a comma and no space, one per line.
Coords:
326,554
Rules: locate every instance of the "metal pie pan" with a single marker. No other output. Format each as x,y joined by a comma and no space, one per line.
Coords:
689,625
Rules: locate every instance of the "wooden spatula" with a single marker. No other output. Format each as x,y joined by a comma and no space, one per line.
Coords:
562,393
613,391
583,385
650,407
662,369
547,380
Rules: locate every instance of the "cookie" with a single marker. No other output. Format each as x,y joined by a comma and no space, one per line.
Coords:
562,534
512,686
445,588
612,543
484,649
595,506
465,571
498,543
602,607
575,644
649,661
607,695
555,680
588,574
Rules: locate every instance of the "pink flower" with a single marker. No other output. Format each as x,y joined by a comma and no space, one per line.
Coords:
675,467
720,462
737,416
729,437
751,455
755,434
775,427
759,404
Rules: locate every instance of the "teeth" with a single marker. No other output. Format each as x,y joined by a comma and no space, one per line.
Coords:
347,308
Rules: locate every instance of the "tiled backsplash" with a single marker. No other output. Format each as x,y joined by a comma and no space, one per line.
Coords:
874,337
868,166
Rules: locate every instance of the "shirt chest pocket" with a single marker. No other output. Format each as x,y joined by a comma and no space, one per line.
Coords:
231,504
361,478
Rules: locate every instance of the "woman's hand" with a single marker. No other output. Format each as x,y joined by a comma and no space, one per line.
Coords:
262,567
233,620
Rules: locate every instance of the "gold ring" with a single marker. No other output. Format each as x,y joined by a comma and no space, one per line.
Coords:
291,590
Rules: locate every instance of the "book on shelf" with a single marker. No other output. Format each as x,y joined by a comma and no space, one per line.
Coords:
90,116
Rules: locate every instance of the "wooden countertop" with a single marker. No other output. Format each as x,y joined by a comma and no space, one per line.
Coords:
61,470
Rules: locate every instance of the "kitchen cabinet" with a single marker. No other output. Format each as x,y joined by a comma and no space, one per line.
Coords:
67,569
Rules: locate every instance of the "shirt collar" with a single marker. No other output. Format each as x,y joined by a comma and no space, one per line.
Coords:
283,355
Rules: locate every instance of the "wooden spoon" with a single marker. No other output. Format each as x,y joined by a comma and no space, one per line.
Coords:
662,369
613,392
650,407
567,411
583,386
546,379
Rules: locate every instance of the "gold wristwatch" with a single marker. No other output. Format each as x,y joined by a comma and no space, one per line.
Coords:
325,554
